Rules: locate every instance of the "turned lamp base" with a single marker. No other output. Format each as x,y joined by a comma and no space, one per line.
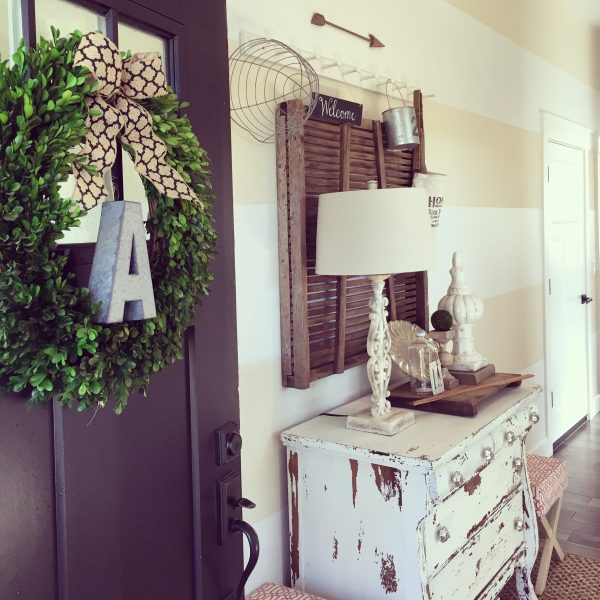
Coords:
395,420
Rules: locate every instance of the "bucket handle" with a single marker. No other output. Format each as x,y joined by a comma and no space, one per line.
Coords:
399,91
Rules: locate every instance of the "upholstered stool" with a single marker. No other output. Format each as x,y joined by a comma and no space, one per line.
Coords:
548,478
272,591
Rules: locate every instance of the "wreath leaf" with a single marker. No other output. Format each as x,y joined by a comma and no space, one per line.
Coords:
50,348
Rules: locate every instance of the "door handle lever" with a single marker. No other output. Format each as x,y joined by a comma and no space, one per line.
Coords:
253,543
244,503
585,299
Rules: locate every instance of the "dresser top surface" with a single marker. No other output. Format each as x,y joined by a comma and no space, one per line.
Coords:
429,439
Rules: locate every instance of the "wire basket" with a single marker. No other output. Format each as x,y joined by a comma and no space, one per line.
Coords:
263,73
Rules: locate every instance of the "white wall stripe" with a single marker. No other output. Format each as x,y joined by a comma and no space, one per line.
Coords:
466,64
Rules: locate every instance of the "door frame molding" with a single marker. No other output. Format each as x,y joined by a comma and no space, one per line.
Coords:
559,130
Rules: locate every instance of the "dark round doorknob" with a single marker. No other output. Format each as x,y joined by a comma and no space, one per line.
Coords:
234,444
585,299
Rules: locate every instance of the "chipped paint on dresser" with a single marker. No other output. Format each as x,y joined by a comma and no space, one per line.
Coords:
449,516
361,534
294,516
387,575
388,482
471,486
354,469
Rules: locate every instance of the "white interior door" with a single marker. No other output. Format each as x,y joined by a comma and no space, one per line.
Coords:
566,320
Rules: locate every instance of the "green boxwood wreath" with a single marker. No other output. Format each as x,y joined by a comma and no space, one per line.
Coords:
49,345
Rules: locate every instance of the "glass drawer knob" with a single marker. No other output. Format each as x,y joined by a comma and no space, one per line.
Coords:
535,417
519,524
488,455
518,464
443,534
457,479
510,437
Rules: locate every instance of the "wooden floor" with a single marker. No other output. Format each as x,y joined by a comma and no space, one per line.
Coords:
579,524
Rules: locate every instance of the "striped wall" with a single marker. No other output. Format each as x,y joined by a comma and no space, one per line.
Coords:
549,28
491,77
492,68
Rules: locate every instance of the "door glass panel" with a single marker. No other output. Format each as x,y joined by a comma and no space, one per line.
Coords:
136,40
67,17
10,28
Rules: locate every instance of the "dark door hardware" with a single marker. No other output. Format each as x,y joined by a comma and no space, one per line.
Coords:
253,544
244,503
229,489
231,502
228,443
585,299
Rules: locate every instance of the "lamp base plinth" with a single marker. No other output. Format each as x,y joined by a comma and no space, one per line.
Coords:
469,364
395,420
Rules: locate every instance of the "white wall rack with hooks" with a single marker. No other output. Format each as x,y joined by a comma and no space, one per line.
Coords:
354,75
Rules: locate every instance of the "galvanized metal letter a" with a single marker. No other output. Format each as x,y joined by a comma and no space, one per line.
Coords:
120,276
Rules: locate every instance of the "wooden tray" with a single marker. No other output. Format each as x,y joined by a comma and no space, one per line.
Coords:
461,401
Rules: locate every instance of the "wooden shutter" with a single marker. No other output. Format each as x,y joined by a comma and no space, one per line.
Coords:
325,319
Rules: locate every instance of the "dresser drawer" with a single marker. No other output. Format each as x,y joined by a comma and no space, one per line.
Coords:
513,430
464,466
463,514
451,475
482,557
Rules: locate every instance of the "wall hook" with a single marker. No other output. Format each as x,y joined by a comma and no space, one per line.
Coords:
328,64
347,70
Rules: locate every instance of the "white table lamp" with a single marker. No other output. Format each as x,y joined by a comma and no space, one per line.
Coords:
375,233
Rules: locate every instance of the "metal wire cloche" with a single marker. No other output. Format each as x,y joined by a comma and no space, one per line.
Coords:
262,74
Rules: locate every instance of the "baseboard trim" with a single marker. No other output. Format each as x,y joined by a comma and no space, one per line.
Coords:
595,406
563,438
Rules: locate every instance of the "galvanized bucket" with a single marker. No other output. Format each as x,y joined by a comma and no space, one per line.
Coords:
401,128
400,123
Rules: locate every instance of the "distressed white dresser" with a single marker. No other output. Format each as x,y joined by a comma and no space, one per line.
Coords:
442,510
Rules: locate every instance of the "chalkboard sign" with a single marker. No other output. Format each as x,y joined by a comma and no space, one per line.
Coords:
336,110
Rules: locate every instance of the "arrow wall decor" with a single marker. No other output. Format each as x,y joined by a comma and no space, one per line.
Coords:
319,19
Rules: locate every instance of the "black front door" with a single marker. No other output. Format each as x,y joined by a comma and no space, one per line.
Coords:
125,507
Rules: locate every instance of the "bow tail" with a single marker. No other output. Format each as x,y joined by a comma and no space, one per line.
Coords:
150,152
99,151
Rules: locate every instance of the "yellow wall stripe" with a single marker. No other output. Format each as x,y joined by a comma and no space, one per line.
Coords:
489,163
548,28
511,332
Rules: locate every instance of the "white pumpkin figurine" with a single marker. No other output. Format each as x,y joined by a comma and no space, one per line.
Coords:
466,310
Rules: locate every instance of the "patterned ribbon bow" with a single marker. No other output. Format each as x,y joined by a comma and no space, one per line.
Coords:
118,116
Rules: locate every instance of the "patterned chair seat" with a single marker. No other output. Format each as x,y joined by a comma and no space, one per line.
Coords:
548,478
272,591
